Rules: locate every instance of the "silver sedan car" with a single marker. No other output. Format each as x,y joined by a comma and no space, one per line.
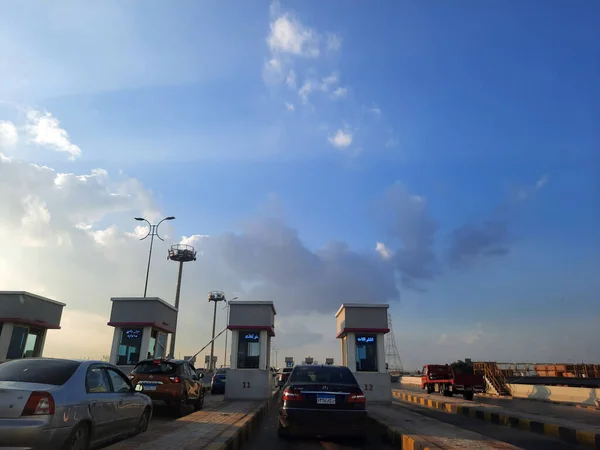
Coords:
48,403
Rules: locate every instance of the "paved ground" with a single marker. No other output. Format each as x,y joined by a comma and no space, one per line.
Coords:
548,410
266,439
191,432
163,415
519,438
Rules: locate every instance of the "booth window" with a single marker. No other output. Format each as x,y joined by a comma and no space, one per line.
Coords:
25,342
129,346
248,349
158,344
366,353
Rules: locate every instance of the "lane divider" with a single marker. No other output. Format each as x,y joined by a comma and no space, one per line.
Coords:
399,437
568,434
236,435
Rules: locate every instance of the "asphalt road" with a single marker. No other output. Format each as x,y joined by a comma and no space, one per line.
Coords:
267,438
519,438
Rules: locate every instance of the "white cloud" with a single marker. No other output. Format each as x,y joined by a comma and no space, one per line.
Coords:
391,143
83,247
305,91
331,79
288,35
272,71
334,42
375,110
43,129
340,92
8,134
289,106
541,182
291,79
341,139
383,251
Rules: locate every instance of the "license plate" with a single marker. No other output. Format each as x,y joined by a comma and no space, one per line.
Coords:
149,387
325,399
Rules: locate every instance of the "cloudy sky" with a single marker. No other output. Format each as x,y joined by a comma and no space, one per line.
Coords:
442,158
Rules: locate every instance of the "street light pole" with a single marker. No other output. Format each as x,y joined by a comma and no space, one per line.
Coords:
227,306
152,231
180,253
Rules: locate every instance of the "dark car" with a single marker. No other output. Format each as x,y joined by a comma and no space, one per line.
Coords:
283,376
219,379
322,400
170,382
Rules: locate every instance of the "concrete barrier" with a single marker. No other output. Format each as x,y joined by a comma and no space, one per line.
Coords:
412,381
583,435
559,394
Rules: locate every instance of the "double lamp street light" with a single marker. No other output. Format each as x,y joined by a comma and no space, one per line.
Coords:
183,253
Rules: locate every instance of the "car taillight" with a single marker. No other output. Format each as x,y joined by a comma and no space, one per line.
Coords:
357,398
39,403
175,379
292,395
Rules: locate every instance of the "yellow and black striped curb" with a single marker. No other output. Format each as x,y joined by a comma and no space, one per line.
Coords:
568,434
241,431
400,438
538,400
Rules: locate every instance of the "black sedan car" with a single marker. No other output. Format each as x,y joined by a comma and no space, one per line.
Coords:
322,401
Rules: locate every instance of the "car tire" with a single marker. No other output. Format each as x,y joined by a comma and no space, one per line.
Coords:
79,439
180,408
468,395
199,403
144,422
282,432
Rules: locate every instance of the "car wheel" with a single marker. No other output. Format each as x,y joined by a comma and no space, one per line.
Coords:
79,438
180,407
282,432
142,426
199,403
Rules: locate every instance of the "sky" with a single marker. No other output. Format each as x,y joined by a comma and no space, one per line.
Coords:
441,157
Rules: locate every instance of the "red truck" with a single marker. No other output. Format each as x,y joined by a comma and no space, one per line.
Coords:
443,379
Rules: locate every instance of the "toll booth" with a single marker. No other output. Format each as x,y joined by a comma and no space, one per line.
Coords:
289,362
362,329
308,360
252,326
142,328
25,319
329,361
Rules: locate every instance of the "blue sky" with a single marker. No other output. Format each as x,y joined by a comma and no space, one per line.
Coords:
487,111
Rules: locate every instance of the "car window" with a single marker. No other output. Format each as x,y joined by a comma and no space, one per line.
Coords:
96,381
119,382
187,370
155,368
322,375
45,371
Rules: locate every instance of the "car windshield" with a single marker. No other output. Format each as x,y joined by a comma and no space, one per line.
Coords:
340,375
45,371
287,370
155,368
221,372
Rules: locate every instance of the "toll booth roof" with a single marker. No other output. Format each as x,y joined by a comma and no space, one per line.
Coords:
362,318
143,312
30,309
360,305
265,303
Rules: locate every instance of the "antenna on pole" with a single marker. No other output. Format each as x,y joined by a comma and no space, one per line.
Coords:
392,356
